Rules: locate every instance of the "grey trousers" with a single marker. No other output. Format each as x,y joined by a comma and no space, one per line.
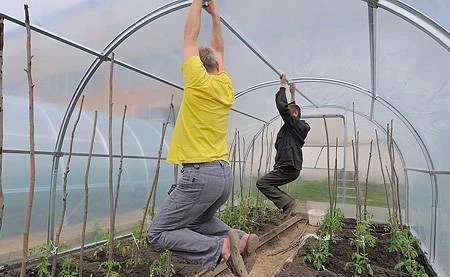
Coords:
269,183
185,224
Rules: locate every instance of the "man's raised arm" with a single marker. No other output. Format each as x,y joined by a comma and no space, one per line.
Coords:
192,30
292,91
216,35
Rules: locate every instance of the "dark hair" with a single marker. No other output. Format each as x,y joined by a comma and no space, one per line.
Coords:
296,107
208,58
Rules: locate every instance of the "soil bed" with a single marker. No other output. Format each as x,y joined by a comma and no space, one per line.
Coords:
382,261
147,255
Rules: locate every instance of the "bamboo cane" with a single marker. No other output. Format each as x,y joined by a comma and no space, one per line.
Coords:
240,167
367,179
230,151
251,169
318,156
384,177
171,112
2,200
330,196
392,175
356,164
354,179
155,181
156,177
64,196
86,196
110,172
267,154
271,146
335,183
395,176
119,174
260,163
394,210
233,170
26,232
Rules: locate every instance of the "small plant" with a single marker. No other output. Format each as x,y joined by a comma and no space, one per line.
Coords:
112,267
123,249
360,264
66,270
98,234
140,239
236,217
412,268
44,252
99,251
332,222
319,254
406,244
247,214
162,267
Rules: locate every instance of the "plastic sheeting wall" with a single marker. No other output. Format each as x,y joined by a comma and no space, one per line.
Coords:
314,39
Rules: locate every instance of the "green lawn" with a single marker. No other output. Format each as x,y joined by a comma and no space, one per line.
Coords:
318,191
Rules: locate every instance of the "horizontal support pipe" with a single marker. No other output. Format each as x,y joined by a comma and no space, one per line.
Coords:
61,154
432,172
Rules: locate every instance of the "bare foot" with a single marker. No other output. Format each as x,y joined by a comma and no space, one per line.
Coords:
226,252
243,242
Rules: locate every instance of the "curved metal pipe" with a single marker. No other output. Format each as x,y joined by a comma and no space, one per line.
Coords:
158,13
396,7
307,80
360,90
419,20
147,19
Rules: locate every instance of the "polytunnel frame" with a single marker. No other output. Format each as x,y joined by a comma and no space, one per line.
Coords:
396,112
396,7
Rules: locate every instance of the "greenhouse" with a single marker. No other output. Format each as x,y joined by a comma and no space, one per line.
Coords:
372,79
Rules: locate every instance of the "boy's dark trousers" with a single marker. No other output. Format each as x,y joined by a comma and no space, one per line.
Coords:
269,185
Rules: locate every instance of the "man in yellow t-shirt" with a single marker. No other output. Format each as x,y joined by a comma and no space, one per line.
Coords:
186,222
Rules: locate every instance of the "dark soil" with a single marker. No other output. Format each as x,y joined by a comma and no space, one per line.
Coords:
382,261
92,263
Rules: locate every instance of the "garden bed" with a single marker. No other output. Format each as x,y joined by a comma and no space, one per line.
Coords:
383,262
94,258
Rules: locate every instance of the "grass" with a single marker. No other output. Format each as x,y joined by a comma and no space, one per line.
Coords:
312,190
317,190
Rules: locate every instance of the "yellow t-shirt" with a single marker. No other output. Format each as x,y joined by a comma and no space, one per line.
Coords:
201,129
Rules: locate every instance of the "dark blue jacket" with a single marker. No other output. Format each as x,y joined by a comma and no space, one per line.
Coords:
291,137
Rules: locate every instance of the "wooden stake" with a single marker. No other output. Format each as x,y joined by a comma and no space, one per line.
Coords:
64,195
270,147
110,172
330,196
171,112
234,169
251,169
355,146
26,231
156,177
2,201
86,196
367,179
267,147
260,162
241,185
119,175
335,177
384,177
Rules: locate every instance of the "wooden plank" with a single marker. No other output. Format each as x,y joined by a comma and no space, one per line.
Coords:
265,238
